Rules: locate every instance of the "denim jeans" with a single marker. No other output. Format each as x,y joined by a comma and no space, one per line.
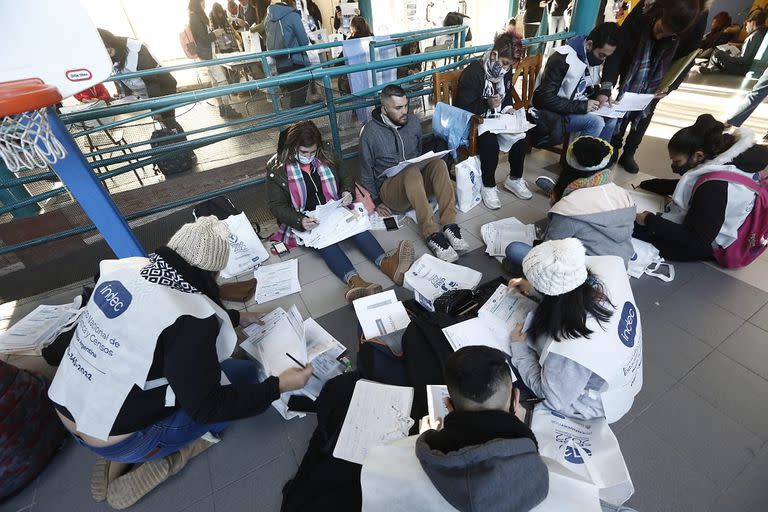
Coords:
592,125
756,96
173,433
516,251
338,262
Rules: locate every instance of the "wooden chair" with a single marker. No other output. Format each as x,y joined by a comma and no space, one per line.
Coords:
528,71
444,86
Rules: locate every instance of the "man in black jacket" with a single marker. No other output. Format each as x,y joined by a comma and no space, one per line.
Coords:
571,87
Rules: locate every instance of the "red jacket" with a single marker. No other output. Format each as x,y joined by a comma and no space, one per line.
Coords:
97,92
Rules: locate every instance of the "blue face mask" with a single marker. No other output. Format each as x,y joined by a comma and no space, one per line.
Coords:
305,160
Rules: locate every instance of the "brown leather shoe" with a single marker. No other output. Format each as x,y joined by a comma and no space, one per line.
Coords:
397,263
238,292
357,288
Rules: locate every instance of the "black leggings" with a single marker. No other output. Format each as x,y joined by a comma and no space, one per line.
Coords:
488,150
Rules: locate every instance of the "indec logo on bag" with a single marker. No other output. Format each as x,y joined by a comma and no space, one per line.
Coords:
112,298
628,324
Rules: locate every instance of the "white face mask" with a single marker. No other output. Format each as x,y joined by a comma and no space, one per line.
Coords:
305,160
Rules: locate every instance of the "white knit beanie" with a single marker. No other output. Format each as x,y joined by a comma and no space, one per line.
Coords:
203,243
556,267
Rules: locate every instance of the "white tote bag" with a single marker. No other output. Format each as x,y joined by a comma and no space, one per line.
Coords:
430,277
647,260
246,251
588,449
469,181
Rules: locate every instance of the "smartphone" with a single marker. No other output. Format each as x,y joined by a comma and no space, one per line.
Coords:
279,248
390,223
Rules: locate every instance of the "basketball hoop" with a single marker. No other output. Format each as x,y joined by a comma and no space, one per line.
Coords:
26,139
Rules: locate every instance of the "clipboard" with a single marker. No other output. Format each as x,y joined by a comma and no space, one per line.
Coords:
677,68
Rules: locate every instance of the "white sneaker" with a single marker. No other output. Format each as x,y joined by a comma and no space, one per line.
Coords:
453,235
441,248
518,187
490,198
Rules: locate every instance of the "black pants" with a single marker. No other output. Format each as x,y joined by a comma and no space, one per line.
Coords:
488,150
637,128
296,93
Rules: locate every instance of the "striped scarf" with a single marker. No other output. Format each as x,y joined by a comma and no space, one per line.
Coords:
646,72
599,178
297,188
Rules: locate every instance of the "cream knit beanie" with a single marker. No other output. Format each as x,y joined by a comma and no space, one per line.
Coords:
556,267
203,243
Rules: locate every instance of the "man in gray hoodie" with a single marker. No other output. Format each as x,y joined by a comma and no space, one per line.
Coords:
392,136
483,457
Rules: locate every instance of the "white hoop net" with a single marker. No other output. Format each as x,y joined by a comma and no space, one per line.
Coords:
26,141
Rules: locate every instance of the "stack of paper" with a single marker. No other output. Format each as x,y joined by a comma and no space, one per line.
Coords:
335,223
630,102
506,123
286,333
494,323
436,396
381,314
377,414
277,280
38,329
648,201
422,160
499,234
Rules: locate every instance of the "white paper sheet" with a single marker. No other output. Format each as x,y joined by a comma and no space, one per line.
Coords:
269,343
436,395
381,314
39,328
277,280
505,309
475,332
633,102
648,201
607,111
336,223
499,234
395,169
377,414
319,341
515,122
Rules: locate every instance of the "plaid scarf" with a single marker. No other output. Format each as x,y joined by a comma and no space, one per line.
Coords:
646,72
298,191
599,178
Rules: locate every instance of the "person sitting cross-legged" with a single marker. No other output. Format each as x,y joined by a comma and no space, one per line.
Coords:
392,136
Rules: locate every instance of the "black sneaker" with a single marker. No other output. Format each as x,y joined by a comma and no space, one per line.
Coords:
453,234
440,247
627,161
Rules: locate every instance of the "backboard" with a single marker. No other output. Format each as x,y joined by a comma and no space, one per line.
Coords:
54,41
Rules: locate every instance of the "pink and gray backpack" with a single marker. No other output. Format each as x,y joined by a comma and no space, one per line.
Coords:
752,238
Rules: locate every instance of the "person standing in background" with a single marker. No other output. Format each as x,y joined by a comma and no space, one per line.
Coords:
557,21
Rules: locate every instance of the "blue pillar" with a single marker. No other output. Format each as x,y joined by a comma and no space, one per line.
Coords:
366,11
584,16
12,195
90,193
514,7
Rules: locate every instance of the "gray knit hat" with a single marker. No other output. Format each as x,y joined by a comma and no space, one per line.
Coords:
556,267
203,243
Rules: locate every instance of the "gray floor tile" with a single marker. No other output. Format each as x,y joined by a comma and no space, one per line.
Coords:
260,489
22,501
705,320
749,346
670,348
246,445
664,481
748,491
731,294
760,318
522,211
204,505
656,384
312,267
690,424
324,295
473,225
733,389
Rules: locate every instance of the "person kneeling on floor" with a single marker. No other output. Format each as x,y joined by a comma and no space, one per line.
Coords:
705,214
304,176
583,350
482,458
586,204
146,382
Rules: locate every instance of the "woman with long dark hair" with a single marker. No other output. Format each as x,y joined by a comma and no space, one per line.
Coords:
708,216
306,175
582,353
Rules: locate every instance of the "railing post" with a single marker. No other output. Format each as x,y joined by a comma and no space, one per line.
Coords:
584,16
514,7
11,195
332,115
366,10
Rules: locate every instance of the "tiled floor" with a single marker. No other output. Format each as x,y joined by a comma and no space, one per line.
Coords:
695,440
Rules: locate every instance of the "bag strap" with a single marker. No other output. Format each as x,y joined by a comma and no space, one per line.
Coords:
652,270
755,186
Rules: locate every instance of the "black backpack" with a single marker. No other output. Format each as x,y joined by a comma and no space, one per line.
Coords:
179,162
221,207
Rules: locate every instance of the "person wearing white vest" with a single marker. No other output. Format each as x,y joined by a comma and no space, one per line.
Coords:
147,379
482,458
703,218
582,352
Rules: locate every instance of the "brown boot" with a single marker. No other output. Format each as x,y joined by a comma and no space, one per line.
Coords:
357,288
397,263
104,472
238,292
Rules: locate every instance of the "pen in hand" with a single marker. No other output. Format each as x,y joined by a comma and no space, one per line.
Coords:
300,364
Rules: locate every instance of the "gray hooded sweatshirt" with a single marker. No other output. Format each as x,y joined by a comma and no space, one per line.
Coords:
601,217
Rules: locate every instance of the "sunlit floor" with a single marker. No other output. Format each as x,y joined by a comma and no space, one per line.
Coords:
695,439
